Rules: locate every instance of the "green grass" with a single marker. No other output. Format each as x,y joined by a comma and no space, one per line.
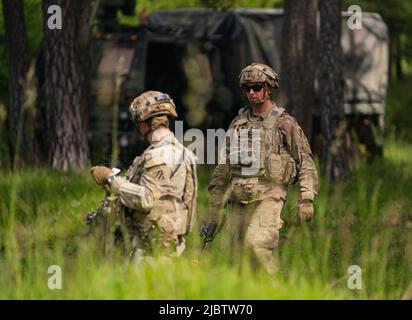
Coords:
365,221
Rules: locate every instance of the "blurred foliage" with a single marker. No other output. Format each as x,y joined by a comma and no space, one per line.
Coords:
4,75
398,111
33,18
363,221
366,220
148,6
397,14
34,25
4,146
152,5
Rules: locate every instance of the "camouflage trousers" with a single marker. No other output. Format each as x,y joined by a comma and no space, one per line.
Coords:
154,237
257,225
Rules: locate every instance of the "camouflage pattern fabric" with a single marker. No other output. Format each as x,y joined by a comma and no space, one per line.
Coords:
152,103
258,224
159,190
284,158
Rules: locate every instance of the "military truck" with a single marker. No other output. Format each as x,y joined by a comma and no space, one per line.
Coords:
195,55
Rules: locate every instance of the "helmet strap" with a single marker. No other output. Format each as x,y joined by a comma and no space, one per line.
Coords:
267,95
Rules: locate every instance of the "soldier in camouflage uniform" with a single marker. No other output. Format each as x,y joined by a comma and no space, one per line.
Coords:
280,154
158,192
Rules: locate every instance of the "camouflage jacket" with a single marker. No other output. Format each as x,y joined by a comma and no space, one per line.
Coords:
284,158
165,172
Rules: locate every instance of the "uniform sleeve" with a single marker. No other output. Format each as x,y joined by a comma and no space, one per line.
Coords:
220,177
218,185
133,195
300,151
142,195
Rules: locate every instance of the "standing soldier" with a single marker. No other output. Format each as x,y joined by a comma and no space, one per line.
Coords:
258,168
158,193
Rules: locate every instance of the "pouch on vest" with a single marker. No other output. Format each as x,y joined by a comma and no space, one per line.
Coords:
289,175
245,190
281,168
275,168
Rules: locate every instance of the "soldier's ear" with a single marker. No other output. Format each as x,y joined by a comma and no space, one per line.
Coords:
268,90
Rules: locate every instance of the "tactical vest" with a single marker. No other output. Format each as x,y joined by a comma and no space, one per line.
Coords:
272,161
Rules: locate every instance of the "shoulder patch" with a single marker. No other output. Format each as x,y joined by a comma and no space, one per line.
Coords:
159,173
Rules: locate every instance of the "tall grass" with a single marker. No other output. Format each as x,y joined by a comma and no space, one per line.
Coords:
365,221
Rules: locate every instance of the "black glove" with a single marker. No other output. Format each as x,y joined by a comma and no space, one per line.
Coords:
91,218
207,231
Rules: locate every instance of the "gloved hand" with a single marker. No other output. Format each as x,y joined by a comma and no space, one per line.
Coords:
305,210
207,231
100,174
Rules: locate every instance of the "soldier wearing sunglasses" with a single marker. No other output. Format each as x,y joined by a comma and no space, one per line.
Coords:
283,157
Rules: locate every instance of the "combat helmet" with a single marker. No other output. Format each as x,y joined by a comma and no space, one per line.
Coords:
150,104
259,73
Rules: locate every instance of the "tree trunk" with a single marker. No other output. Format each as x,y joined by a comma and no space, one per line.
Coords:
20,112
331,90
390,53
399,70
299,60
67,82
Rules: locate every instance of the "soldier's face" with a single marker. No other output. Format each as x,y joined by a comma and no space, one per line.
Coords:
255,93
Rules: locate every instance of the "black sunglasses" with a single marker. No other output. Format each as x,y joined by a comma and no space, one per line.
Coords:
255,87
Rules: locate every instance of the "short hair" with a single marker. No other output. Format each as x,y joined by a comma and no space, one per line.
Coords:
158,121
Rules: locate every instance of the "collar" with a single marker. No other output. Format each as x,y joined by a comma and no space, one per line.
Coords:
166,139
261,117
